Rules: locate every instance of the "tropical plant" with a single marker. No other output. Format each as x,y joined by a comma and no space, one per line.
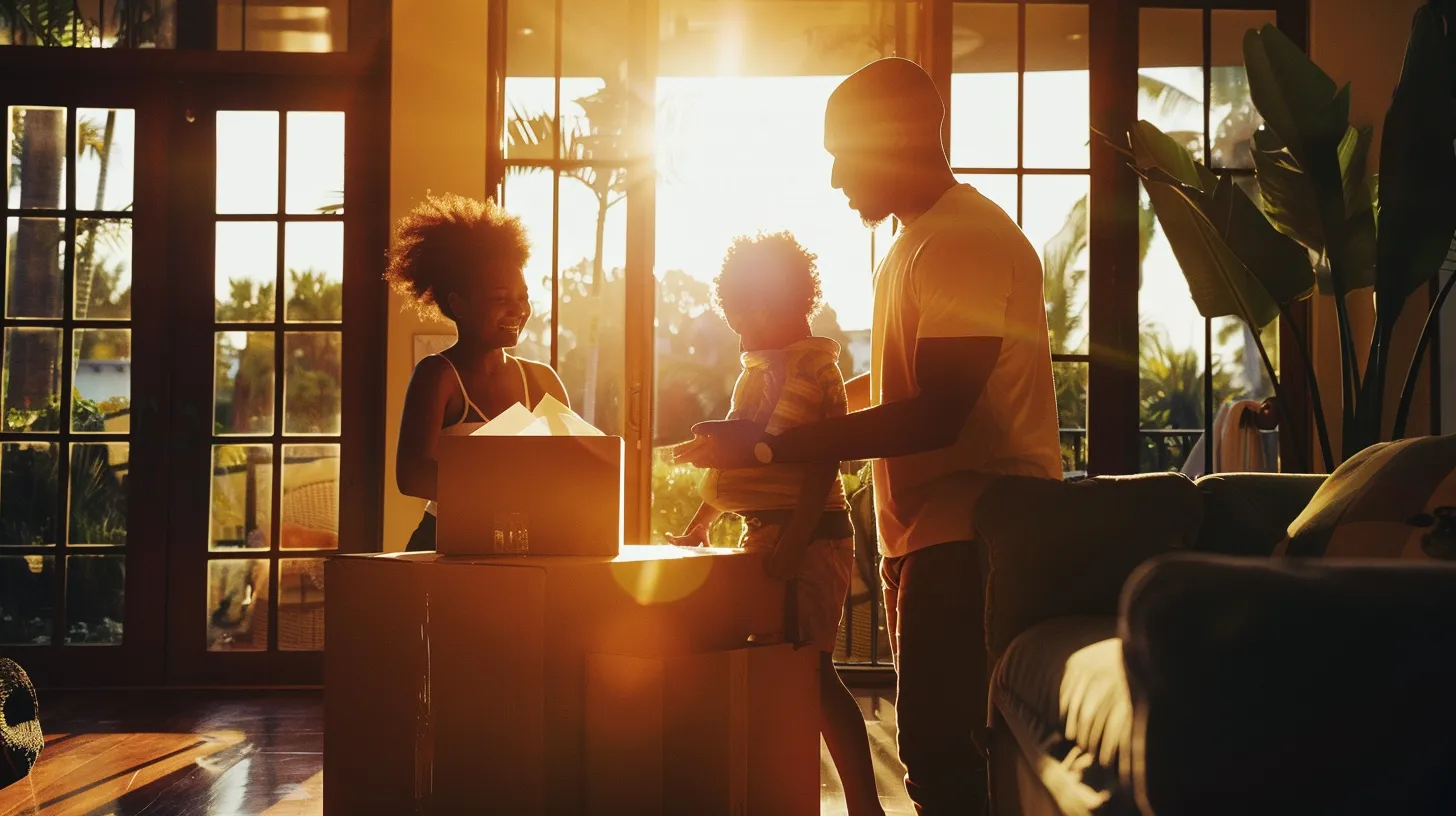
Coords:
62,23
1315,227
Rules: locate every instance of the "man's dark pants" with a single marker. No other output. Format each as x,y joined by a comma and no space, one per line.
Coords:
935,603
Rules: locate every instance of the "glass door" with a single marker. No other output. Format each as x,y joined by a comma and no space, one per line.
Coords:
269,361
83,372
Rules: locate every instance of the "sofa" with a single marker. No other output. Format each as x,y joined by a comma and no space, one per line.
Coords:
1150,657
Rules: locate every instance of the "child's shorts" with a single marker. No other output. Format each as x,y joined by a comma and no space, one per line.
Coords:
822,582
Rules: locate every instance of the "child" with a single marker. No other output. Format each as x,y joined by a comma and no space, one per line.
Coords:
464,260
768,292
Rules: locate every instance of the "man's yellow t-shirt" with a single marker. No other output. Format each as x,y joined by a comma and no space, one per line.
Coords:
962,269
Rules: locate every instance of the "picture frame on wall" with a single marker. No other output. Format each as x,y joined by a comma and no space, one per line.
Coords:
427,344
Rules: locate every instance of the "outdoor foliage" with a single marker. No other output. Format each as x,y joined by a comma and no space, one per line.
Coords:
1320,222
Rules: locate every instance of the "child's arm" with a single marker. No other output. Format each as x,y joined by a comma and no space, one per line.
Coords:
415,469
783,563
696,535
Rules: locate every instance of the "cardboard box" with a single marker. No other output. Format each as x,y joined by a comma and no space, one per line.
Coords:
562,493
708,734
457,685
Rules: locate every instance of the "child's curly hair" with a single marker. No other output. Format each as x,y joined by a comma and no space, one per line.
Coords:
446,243
769,271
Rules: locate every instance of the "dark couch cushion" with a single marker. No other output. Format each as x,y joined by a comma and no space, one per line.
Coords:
1248,513
1392,500
1058,549
1061,691
1279,686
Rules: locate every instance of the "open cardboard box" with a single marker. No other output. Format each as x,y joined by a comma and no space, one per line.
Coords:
460,685
543,482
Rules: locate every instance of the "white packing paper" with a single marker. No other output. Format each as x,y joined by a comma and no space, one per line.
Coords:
551,418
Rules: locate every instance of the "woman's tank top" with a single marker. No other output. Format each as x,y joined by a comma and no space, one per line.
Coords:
470,406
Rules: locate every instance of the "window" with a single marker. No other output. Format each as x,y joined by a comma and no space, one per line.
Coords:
94,24
278,382
1191,85
1019,134
66,385
318,26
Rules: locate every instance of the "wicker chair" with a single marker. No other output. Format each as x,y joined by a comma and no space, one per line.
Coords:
21,740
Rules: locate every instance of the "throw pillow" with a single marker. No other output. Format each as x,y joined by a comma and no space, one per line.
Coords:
1391,500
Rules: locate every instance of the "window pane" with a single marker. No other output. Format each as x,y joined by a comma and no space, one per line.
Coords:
1057,129
237,605
101,381
36,168
314,370
243,383
592,248
247,162
1170,73
242,497
103,269
95,599
310,502
530,104
317,26
315,181
106,153
32,387
104,24
28,479
983,92
246,271
594,41
999,187
99,473
1233,118
1055,221
313,254
529,195
34,257
27,599
1071,383
301,604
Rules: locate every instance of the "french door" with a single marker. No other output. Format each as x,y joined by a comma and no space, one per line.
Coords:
192,381
83,382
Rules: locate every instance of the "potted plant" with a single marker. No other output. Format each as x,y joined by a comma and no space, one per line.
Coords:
1320,224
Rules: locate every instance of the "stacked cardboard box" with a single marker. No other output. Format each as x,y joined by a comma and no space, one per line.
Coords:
461,684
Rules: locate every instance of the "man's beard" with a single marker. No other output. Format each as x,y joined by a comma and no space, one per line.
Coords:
873,223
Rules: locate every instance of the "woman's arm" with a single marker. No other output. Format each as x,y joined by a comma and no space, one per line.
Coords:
415,470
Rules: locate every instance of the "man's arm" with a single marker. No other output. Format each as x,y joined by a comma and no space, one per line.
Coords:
788,554
952,374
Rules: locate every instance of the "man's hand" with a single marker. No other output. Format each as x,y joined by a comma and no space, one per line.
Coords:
722,444
694,536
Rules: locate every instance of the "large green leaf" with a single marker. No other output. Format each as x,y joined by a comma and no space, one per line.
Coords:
1417,168
1298,101
1219,281
1287,195
1278,262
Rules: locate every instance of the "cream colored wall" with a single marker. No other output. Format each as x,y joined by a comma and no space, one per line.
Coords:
437,145
1363,43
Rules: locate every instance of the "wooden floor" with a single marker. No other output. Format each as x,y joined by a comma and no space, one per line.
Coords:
253,754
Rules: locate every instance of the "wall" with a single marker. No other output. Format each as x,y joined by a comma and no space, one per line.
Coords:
437,145
1363,43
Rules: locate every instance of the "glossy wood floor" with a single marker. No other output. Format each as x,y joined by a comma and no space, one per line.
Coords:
249,754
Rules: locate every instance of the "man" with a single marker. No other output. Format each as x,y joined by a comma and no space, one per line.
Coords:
959,391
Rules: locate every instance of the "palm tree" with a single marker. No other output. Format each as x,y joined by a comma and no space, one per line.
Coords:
599,138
